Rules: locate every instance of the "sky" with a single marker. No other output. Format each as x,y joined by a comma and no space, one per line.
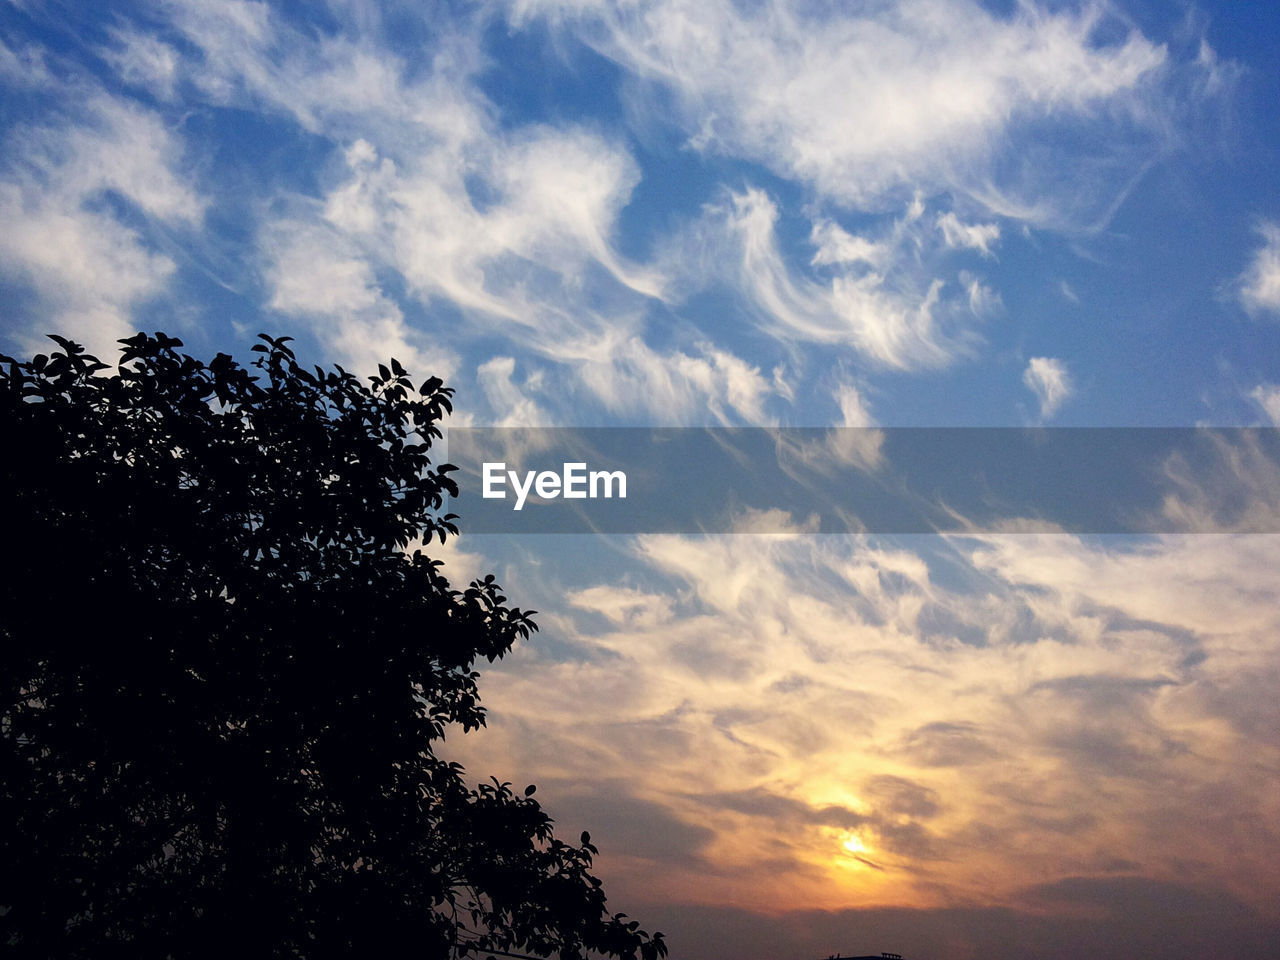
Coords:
766,213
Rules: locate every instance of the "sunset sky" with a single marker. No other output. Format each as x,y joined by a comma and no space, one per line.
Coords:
759,213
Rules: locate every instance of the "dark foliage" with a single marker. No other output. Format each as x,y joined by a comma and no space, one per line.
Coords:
221,676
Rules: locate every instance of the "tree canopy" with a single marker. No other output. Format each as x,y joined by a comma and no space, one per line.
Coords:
224,667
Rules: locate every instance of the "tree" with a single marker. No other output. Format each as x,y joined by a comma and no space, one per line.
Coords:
222,674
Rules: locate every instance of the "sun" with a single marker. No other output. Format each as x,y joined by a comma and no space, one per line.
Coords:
853,844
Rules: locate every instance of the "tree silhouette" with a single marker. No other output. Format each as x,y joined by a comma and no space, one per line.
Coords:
223,674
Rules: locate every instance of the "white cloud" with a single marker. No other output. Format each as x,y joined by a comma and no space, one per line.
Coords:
1217,76
983,301
510,402
24,67
1267,396
315,274
858,445
515,226
1048,379
634,380
514,260
547,203
512,226
853,409
87,268
973,236
434,187
122,148
860,102
144,61
878,300
835,245
563,190
1259,285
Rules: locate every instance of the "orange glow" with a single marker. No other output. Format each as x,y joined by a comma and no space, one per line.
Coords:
853,844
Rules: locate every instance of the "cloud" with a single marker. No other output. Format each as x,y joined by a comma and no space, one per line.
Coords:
983,301
1259,285
943,744
1049,381
853,409
634,827
789,695
836,245
1267,396
23,67
860,103
895,317
122,148
1111,917
852,444
449,224
509,400
971,236
144,61
510,225
434,185
1225,483
624,605
88,265
704,385
495,223
314,273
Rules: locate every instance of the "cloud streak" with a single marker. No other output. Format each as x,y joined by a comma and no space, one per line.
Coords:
873,298
1048,379
862,104
510,225
858,723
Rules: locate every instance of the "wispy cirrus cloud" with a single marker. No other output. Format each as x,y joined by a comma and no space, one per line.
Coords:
976,236
1048,379
511,225
874,297
450,218
24,66
840,721
864,104
144,62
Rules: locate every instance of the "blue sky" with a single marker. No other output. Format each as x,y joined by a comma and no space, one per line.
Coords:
701,212
931,213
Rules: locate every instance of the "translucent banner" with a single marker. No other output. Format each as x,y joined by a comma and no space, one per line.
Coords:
844,480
